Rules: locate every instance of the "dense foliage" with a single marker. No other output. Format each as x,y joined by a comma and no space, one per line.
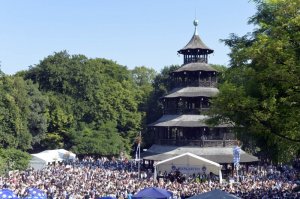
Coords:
22,113
90,106
88,99
13,159
261,92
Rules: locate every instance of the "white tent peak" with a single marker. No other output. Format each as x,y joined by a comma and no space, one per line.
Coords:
191,155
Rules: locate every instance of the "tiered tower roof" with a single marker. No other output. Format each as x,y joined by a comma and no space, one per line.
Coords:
195,44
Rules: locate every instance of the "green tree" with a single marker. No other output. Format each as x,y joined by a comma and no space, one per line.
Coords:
38,114
61,120
261,92
14,110
13,159
143,78
86,93
1,72
221,72
106,140
2,165
162,84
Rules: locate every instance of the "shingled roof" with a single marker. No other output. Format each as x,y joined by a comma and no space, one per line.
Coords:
216,154
196,44
193,92
183,121
195,66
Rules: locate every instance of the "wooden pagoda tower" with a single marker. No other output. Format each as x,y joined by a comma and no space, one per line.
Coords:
182,127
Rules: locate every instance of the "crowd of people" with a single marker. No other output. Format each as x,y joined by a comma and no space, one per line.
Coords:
94,178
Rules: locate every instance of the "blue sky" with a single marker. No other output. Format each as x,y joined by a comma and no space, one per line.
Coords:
132,33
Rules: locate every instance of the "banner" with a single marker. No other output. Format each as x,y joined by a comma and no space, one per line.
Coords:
236,155
188,169
137,152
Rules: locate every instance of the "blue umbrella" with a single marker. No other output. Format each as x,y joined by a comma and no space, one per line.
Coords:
107,197
7,194
34,197
153,193
36,193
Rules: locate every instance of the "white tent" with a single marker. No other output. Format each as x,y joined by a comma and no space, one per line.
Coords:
188,163
42,159
217,193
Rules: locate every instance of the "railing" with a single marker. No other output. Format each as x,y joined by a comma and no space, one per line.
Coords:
230,142
197,84
186,111
198,143
181,111
208,84
187,60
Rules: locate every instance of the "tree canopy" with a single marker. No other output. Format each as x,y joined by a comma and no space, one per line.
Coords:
89,106
261,91
22,113
88,95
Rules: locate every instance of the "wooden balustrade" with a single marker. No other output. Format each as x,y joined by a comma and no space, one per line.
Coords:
197,84
198,143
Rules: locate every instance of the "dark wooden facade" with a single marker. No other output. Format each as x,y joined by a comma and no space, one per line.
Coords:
186,105
195,83
196,79
194,136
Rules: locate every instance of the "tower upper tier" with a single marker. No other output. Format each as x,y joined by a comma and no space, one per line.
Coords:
195,50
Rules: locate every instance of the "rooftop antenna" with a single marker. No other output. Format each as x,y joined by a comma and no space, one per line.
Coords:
196,23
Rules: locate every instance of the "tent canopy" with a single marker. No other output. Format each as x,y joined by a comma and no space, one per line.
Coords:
188,163
40,160
153,193
217,193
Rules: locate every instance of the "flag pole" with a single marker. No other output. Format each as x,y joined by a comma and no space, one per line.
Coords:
139,155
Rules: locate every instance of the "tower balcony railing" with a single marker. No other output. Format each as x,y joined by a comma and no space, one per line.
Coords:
197,84
198,143
195,59
171,111
207,84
